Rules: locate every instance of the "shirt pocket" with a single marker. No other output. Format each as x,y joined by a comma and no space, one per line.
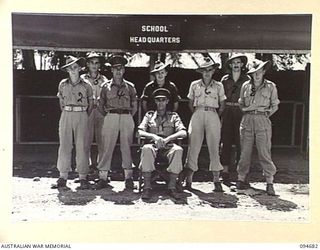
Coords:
265,97
168,129
198,93
111,95
212,95
247,97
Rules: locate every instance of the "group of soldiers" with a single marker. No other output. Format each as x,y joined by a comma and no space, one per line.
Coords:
234,111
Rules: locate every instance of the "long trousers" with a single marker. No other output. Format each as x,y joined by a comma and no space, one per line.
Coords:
73,125
95,123
256,128
113,125
230,134
204,123
173,153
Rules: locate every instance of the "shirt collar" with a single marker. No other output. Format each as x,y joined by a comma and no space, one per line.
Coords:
156,115
97,78
121,85
212,82
263,84
79,81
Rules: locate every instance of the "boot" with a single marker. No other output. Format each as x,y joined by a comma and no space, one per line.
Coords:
188,186
270,189
226,178
218,187
146,194
184,174
172,186
84,184
129,184
101,184
61,183
241,185
172,181
128,173
146,180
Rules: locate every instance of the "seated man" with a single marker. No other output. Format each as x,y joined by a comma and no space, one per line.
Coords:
162,128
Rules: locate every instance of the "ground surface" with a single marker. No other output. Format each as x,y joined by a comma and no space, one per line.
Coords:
34,171
34,201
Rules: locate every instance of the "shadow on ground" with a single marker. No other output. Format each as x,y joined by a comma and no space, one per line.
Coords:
217,200
270,202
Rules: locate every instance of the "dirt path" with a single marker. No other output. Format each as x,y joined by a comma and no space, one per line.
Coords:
35,201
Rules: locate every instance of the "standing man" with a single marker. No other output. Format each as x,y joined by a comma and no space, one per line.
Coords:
258,100
231,116
162,128
118,103
75,96
96,80
160,73
206,102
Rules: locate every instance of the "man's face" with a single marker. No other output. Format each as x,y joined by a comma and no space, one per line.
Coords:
207,73
236,64
118,71
93,65
258,75
73,69
161,103
160,75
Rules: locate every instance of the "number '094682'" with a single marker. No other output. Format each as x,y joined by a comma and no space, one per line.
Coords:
309,246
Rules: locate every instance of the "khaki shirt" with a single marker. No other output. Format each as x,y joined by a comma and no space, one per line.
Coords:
263,99
162,126
96,84
74,94
209,96
118,97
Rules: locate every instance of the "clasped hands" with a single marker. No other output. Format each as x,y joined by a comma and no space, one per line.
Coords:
160,142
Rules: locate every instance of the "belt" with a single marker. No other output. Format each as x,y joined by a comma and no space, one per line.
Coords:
232,104
75,108
206,108
119,111
256,112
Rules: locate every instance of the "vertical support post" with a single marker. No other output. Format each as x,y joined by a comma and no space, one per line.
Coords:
302,127
293,132
17,116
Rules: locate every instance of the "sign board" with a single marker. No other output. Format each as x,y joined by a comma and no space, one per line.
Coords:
163,33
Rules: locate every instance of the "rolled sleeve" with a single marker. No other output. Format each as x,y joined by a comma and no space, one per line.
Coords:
221,93
144,123
274,101
191,92
241,99
178,125
60,87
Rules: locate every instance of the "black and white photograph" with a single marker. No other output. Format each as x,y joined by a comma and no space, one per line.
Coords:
161,117
156,117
